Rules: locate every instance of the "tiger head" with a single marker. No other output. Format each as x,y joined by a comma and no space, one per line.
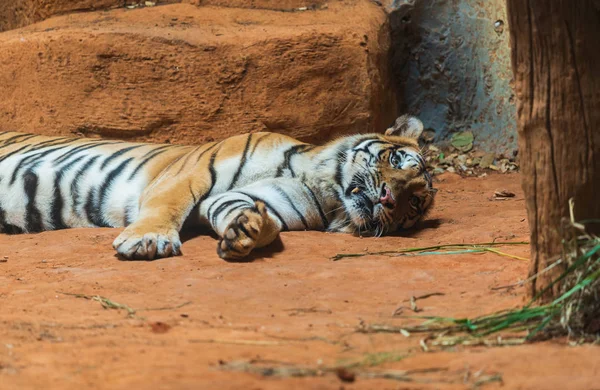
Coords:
385,184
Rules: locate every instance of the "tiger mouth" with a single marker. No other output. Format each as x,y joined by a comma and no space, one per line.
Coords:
367,215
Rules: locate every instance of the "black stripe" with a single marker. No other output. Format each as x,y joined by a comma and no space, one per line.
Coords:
33,158
147,158
127,215
70,164
33,217
117,154
76,180
81,148
255,198
367,138
224,205
57,206
6,227
242,162
382,151
245,231
96,215
53,142
284,194
213,173
14,152
324,220
187,158
258,141
287,156
25,137
7,142
207,149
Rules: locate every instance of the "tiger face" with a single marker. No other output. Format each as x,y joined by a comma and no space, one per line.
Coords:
387,186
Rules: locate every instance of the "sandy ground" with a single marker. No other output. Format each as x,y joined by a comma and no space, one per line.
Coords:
196,315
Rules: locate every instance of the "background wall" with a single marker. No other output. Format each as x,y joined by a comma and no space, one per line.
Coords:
451,60
313,69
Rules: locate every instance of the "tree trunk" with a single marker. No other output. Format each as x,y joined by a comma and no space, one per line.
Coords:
556,65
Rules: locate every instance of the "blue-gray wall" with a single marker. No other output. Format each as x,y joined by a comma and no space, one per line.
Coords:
452,62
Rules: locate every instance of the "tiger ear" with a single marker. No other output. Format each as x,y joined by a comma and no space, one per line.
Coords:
406,126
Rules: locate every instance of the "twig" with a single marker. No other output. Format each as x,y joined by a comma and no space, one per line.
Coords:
531,278
265,343
296,311
109,304
105,302
505,254
473,248
286,371
166,307
433,294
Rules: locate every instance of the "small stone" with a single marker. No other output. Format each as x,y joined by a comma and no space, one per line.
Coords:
487,160
451,170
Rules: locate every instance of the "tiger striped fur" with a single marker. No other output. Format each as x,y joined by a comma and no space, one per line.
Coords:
246,188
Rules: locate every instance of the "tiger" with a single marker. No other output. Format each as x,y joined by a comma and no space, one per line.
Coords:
247,188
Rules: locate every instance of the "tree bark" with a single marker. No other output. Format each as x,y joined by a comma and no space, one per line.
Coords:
556,65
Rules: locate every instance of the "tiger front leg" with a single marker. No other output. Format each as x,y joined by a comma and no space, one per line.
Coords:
164,207
148,241
252,216
249,228
155,233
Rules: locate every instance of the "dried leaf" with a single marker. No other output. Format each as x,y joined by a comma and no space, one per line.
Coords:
486,160
463,141
504,194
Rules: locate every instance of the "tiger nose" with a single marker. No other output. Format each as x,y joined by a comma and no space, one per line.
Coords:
386,197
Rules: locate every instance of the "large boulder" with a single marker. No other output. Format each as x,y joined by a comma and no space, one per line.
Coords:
21,13
183,73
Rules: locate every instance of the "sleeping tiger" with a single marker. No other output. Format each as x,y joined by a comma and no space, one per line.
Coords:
247,188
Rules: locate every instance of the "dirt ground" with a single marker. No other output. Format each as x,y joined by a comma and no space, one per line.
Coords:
197,315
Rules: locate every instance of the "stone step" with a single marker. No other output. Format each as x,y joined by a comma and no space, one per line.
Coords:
187,74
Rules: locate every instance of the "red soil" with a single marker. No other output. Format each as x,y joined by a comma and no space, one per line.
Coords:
293,305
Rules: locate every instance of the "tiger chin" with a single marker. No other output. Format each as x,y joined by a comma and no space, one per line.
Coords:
247,188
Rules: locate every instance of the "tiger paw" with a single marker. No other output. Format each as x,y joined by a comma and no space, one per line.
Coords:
243,233
139,244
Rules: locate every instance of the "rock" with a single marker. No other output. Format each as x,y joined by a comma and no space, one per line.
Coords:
487,160
21,13
462,159
185,74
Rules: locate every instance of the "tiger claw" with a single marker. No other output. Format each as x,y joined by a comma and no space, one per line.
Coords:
149,246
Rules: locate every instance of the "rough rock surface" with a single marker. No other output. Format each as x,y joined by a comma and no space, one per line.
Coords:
187,74
21,13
